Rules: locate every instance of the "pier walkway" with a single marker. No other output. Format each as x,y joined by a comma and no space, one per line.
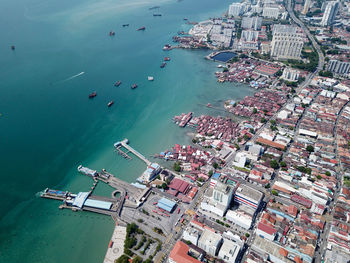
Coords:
125,144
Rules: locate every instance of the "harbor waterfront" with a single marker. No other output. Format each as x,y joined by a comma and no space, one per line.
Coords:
48,125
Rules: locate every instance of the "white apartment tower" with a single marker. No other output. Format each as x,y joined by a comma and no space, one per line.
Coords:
329,13
306,7
236,9
252,22
286,43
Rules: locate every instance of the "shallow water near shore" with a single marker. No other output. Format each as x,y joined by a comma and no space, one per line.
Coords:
49,126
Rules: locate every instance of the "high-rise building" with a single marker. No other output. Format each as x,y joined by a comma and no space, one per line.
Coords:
252,22
218,199
306,7
271,12
236,9
290,74
286,43
339,67
329,13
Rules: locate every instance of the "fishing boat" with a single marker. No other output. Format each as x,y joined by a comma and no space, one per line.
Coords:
163,65
141,28
117,84
167,47
92,95
167,59
125,25
157,14
134,86
111,33
150,78
110,103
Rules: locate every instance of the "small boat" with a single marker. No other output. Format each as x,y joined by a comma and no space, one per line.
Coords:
167,47
208,105
111,33
92,95
157,14
220,66
117,84
163,65
167,59
125,25
141,28
110,103
150,78
133,86
185,19
13,47
153,7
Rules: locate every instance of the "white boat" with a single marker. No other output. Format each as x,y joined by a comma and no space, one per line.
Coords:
220,66
150,78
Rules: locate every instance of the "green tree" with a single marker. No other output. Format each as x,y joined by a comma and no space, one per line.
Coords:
210,173
328,173
255,110
177,167
274,164
274,192
122,259
283,164
310,148
215,165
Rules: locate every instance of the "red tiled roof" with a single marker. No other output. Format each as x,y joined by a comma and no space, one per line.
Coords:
267,229
283,252
180,253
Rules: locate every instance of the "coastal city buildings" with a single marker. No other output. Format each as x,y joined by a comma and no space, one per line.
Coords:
287,42
269,179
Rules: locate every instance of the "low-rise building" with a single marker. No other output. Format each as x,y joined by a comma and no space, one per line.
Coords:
210,242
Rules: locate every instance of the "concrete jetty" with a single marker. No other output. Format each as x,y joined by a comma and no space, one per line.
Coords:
124,143
116,245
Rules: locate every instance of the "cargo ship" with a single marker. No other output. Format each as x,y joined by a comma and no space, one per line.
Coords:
167,59
110,103
133,86
117,84
141,28
92,95
163,65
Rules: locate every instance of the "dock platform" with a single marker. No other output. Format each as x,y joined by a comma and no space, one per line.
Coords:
125,143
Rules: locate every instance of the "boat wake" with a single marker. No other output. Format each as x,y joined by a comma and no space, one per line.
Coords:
70,78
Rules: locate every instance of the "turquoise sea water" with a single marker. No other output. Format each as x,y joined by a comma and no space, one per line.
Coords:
49,126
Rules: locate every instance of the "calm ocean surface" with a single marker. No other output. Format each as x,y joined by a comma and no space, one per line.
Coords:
49,126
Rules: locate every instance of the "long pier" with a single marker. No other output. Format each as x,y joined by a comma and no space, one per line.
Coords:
125,144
